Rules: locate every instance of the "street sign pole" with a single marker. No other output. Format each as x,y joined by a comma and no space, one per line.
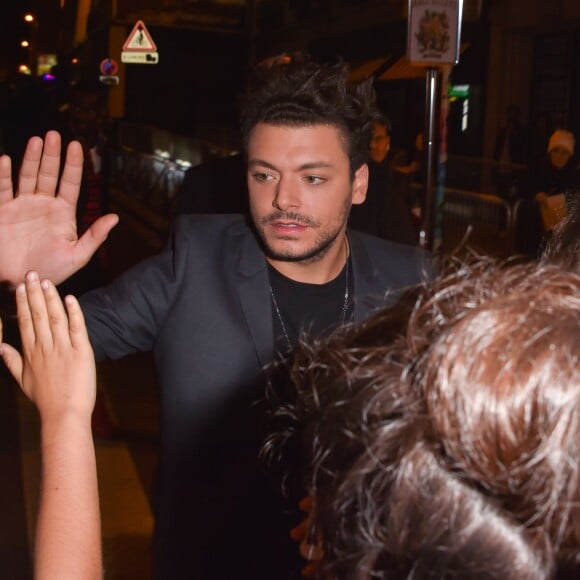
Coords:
427,231
433,40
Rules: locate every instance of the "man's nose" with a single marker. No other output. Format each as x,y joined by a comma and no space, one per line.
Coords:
287,194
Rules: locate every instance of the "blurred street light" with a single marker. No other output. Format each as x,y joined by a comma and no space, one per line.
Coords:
32,43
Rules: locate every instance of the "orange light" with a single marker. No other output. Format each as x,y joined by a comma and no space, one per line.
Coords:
24,69
28,17
25,43
75,60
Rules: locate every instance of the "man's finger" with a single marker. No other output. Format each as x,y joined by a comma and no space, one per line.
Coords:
49,165
6,192
29,168
72,173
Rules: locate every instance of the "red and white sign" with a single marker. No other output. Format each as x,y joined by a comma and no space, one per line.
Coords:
139,47
139,40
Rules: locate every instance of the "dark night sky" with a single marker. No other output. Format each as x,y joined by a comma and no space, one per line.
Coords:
13,29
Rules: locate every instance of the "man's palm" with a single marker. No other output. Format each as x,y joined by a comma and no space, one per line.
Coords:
38,224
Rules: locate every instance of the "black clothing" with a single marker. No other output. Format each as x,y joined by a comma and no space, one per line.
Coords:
203,306
551,180
215,186
384,213
312,308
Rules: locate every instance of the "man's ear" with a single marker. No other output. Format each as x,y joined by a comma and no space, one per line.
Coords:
360,184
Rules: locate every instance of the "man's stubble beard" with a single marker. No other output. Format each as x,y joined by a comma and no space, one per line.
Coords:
322,243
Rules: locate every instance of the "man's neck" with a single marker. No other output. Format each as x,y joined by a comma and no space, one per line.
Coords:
316,271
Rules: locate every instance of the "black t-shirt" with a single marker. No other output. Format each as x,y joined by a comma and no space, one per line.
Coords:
315,309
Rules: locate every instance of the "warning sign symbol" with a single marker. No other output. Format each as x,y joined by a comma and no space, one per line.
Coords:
139,40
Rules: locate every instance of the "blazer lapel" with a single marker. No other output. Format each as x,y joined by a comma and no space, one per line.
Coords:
252,285
368,296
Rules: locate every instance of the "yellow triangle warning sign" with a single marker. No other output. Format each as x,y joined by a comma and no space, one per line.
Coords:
139,40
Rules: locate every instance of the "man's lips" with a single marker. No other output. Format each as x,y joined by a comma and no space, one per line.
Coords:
288,227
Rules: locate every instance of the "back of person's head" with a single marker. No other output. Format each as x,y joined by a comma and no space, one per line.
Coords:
295,91
453,450
563,247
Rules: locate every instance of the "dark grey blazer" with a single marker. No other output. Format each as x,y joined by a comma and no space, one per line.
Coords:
202,306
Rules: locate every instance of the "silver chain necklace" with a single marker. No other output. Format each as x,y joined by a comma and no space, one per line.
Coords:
344,305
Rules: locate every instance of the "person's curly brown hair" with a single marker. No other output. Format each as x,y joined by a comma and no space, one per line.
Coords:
443,439
563,247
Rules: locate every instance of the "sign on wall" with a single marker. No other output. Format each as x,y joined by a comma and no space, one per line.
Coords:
433,31
139,47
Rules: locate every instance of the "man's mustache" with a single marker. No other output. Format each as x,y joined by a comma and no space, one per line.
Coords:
290,217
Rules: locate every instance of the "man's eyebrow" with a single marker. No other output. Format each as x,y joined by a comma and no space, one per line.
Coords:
315,165
261,163
303,167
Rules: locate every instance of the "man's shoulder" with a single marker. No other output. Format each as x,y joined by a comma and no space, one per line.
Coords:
386,247
392,260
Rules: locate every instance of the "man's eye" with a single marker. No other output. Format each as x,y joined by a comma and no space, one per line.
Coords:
314,179
261,176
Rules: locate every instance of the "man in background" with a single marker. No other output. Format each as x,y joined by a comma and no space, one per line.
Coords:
384,213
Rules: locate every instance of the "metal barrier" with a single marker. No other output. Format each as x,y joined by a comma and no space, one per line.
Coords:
149,164
477,221
506,180
149,179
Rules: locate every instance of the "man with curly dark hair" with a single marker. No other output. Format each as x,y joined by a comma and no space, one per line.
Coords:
224,296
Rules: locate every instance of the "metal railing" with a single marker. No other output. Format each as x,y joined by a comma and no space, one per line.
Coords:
150,179
480,222
148,166
506,180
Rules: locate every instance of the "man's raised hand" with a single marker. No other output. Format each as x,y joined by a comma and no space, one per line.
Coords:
38,222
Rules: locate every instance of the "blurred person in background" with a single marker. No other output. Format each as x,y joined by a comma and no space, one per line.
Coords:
217,185
557,173
553,182
85,120
384,213
510,149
